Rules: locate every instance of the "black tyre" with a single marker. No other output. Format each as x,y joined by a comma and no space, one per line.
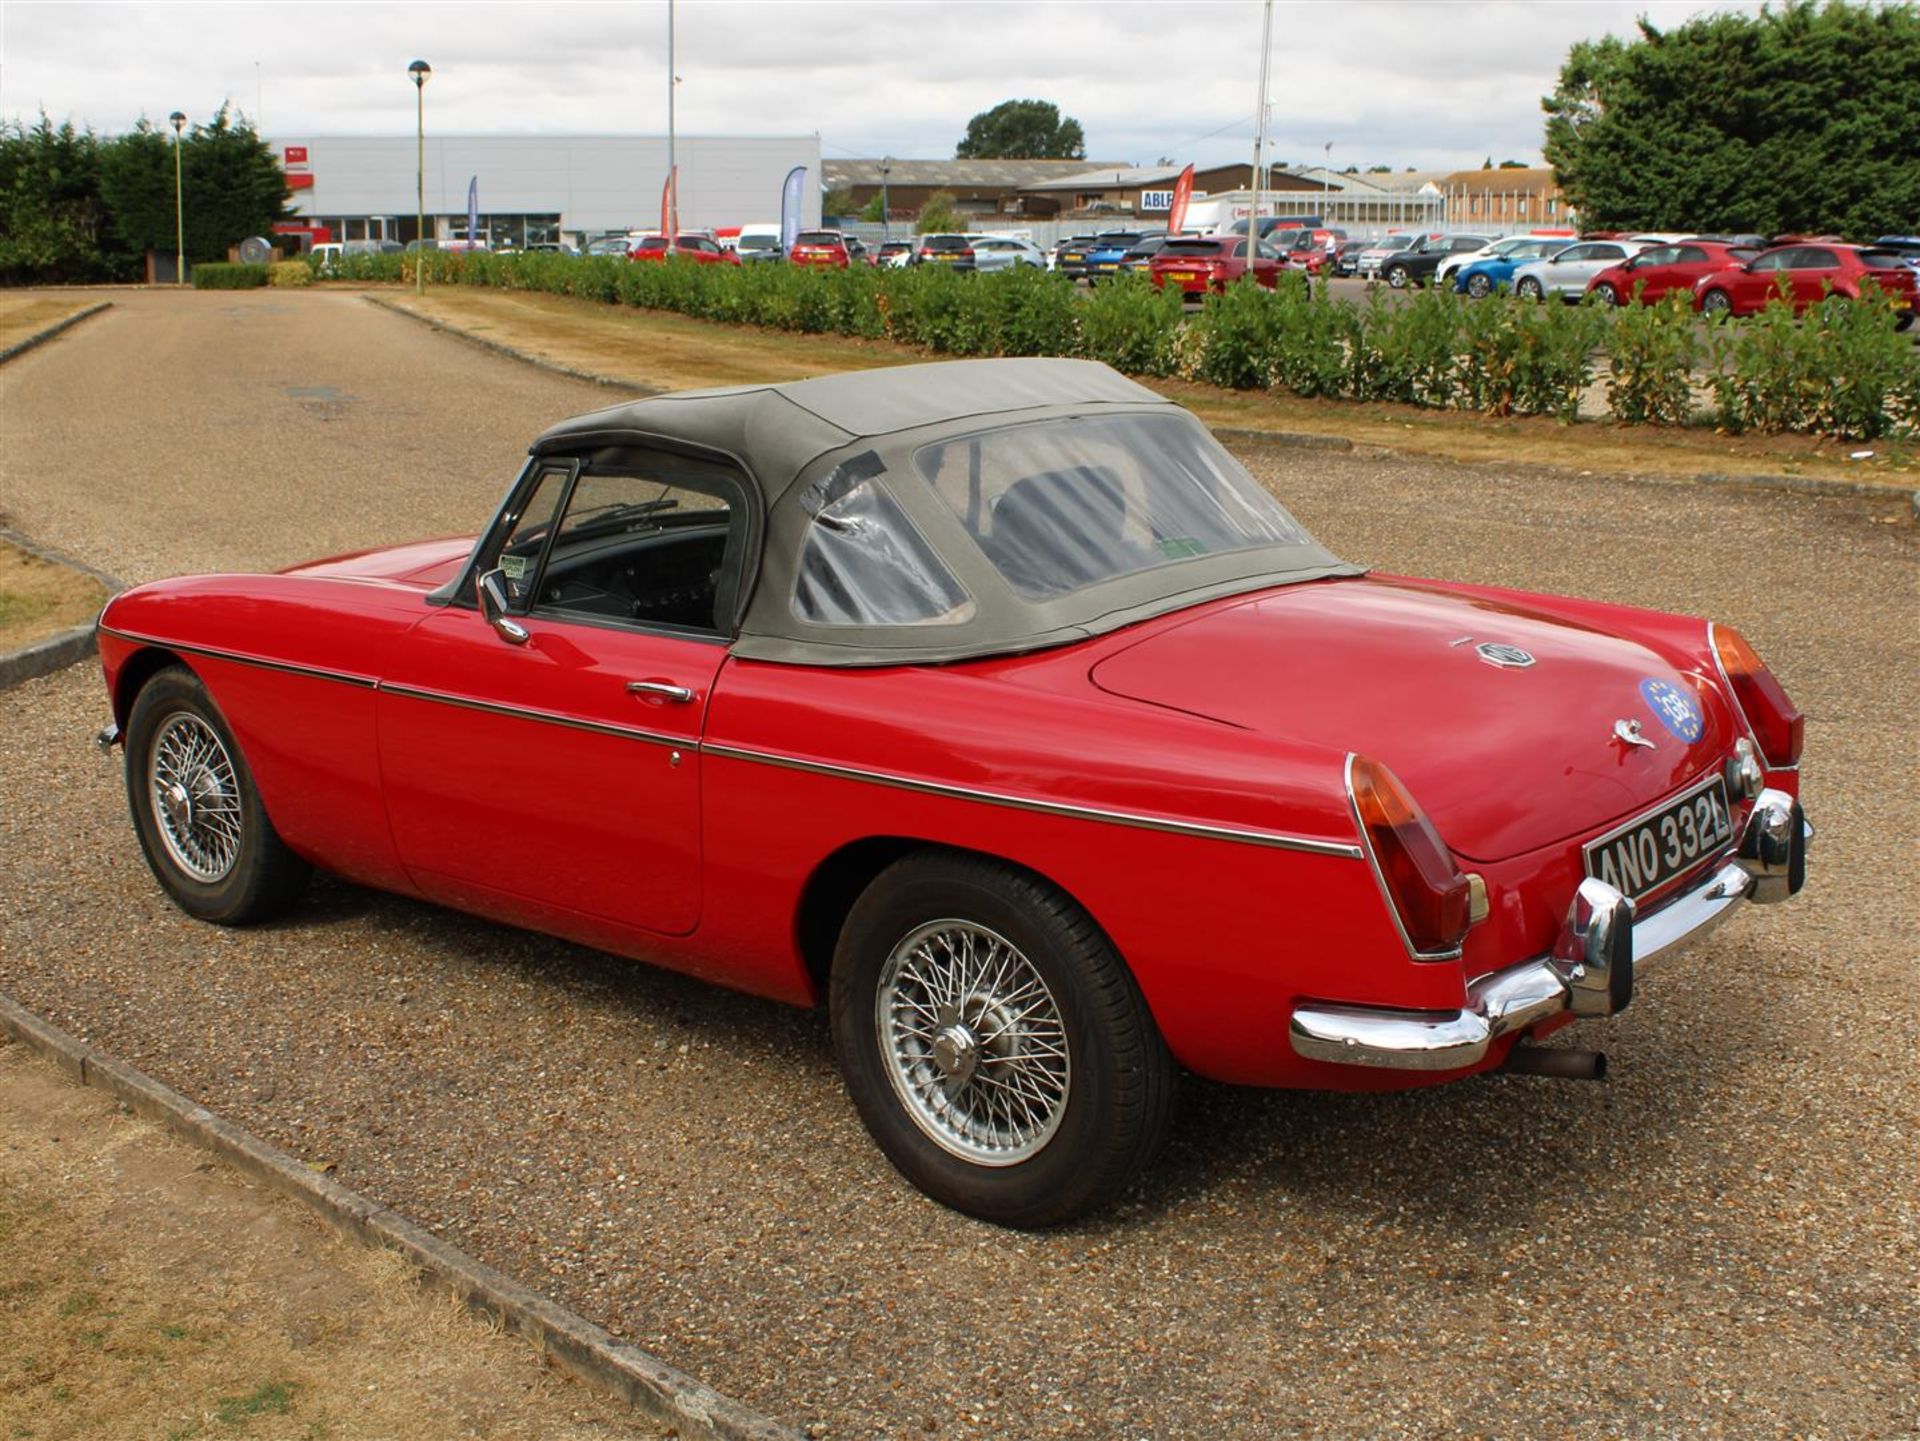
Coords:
197,812
995,1044
1716,302
1479,287
1905,322
1529,289
1398,276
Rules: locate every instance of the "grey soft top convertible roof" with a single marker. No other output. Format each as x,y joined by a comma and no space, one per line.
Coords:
788,439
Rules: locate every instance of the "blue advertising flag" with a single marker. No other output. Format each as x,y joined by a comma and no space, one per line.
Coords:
473,210
792,194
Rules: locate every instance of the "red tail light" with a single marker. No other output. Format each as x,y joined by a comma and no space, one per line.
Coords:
1777,724
1428,893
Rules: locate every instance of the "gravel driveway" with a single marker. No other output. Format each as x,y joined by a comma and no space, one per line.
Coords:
1719,1241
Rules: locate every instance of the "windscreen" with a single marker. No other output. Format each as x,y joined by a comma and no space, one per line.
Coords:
1062,505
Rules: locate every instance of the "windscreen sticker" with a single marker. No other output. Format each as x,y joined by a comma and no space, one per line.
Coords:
1673,708
515,566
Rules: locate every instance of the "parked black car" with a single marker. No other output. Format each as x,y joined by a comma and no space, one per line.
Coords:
1135,261
1346,260
1416,264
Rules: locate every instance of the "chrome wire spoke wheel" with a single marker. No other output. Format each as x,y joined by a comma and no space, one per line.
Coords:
195,796
973,1042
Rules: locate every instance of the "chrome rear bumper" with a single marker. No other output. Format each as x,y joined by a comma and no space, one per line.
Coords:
1590,971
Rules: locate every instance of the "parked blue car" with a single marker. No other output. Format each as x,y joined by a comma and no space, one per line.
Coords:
1482,277
1106,255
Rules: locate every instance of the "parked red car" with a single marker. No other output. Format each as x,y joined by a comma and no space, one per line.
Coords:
1808,274
1206,263
701,249
825,249
993,704
1652,274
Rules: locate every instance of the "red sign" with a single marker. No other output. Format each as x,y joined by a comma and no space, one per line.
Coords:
1182,193
302,181
296,155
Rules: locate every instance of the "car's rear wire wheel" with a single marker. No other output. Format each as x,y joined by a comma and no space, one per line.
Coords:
995,1045
196,810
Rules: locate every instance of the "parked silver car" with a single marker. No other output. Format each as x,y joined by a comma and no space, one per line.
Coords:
1567,273
1004,252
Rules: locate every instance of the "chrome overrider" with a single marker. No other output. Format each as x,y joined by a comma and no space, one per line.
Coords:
1589,972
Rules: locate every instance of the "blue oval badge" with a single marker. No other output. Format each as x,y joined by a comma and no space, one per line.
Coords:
1674,709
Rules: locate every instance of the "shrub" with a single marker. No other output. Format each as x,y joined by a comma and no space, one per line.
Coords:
1131,326
1652,352
290,272
212,275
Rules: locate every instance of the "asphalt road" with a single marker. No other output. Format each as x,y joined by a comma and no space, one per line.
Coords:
1722,1240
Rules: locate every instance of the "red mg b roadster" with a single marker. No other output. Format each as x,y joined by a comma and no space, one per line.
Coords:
994,703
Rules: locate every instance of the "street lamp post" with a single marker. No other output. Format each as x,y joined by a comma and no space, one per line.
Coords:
420,70
179,122
886,169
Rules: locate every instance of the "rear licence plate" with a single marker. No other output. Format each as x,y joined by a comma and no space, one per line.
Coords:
1645,854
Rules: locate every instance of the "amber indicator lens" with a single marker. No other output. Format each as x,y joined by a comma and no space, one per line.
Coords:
1428,891
1776,721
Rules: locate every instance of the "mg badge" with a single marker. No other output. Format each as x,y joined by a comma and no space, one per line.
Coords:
1507,657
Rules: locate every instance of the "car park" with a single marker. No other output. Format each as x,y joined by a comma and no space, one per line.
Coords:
1006,252
1198,265
1805,275
1658,271
894,254
1417,263
822,249
952,250
757,244
1481,277
1566,272
890,688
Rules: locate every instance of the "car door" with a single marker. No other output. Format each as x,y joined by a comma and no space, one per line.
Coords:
1648,274
1812,270
548,756
1760,281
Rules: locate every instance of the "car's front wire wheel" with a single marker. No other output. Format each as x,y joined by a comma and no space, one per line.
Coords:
995,1045
199,817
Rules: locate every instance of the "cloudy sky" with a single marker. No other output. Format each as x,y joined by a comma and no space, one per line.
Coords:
1432,84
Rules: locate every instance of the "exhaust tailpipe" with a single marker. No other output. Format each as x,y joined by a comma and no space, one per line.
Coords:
1526,1060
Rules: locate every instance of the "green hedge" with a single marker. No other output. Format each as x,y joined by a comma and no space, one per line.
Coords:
218,275
1841,371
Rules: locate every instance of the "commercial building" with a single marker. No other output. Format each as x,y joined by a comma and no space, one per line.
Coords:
535,189
981,189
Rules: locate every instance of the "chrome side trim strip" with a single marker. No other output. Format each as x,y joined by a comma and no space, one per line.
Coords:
213,653
527,713
1053,808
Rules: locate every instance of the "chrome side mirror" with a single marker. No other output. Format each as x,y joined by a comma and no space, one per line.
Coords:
492,590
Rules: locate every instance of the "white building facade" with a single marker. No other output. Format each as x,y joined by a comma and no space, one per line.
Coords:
535,189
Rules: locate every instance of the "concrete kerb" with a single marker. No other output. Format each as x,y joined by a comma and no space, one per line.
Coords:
57,652
571,1342
1295,439
41,337
612,382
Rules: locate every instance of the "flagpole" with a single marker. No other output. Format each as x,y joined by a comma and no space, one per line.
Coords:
673,208
1259,134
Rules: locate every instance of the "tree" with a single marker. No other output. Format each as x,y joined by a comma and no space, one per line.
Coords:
51,216
1022,130
234,187
1513,165
874,210
1796,119
938,215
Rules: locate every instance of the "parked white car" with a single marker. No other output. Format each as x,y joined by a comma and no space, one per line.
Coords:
1506,245
1567,273
1004,252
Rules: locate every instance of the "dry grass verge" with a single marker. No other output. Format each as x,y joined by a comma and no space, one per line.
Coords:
148,1291
23,313
671,352
40,599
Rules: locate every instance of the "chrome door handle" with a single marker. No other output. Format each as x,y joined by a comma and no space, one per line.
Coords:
660,690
